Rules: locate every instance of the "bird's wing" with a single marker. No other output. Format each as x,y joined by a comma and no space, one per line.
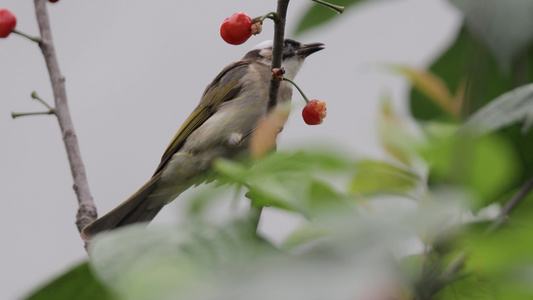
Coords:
222,89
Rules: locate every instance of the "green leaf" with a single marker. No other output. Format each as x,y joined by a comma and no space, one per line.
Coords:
375,177
228,261
164,262
395,136
505,26
509,108
204,197
468,287
503,259
232,171
317,15
323,195
304,235
283,180
77,283
282,191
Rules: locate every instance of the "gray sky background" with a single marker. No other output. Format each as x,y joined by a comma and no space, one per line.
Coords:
135,70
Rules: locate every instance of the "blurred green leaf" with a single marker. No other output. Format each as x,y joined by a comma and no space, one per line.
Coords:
228,262
77,283
343,253
283,180
502,259
395,136
161,263
285,192
494,167
323,196
280,162
203,197
509,108
233,171
304,235
468,287
505,26
508,248
316,15
484,165
374,177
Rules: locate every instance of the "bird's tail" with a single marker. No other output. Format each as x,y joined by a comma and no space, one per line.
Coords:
135,209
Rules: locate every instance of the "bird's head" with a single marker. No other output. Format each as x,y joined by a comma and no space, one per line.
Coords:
294,54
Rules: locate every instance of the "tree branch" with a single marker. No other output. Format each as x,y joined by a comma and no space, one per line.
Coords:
87,209
277,50
277,55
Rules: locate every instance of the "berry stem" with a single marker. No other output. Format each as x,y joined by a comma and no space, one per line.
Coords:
271,15
50,111
32,38
16,115
337,8
298,88
36,97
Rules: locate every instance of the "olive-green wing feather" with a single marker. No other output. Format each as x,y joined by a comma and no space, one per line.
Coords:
222,89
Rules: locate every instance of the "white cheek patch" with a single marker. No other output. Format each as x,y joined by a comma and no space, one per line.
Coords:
292,66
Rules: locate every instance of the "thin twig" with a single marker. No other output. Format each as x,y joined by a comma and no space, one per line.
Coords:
298,88
34,95
511,205
32,38
38,98
15,115
86,207
339,9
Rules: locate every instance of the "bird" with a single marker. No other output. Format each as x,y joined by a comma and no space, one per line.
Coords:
219,127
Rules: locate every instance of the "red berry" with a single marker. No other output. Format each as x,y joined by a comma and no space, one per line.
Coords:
236,29
7,22
53,1
314,112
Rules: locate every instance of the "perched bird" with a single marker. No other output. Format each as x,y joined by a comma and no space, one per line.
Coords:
219,126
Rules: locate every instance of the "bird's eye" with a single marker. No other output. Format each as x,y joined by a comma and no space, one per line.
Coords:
291,45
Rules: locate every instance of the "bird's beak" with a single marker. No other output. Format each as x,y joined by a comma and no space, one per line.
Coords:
308,49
